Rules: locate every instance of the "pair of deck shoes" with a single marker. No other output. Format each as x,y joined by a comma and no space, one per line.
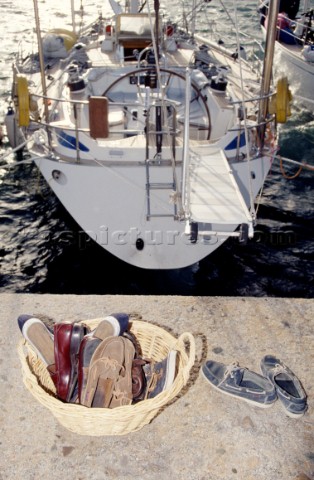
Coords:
276,381
99,368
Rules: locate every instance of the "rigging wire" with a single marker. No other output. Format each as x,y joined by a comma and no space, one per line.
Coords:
252,207
302,165
21,162
14,150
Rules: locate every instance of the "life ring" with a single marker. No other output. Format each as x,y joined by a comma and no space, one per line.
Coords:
23,100
283,99
69,38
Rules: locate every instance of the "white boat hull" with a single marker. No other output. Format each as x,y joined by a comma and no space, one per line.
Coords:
109,204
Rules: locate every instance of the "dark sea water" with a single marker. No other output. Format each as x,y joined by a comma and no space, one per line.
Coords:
42,250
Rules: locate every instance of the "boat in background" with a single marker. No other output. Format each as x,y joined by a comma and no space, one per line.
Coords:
156,140
294,49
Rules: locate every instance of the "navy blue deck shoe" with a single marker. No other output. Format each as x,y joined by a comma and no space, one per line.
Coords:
288,387
38,336
22,319
113,325
48,321
240,382
160,375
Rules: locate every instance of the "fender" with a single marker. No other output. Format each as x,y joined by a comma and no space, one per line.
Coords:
23,100
283,98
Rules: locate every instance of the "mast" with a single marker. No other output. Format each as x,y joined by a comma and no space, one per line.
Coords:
306,6
193,18
73,16
41,60
268,63
134,6
156,8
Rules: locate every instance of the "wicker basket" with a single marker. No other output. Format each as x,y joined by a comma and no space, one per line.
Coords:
155,343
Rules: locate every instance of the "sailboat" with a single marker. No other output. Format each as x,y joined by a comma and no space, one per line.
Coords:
156,140
294,48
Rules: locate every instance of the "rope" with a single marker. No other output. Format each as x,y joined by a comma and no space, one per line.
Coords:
295,162
289,177
235,24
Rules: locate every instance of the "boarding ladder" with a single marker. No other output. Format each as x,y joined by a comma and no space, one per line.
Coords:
213,197
160,171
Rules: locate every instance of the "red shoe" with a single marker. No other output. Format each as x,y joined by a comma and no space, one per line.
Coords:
64,372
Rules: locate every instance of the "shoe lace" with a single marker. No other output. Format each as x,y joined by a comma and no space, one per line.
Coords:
109,363
155,378
279,369
229,371
121,396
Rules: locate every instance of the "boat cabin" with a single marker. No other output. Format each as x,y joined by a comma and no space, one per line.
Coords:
132,32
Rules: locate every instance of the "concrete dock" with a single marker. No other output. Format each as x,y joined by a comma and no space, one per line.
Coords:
204,434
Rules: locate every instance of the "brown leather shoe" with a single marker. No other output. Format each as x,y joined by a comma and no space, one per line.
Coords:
139,382
122,391
64,372
109,382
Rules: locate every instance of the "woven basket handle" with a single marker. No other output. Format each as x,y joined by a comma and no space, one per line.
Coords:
187,337
26,373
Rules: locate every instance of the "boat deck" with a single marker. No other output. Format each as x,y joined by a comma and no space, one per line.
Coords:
214,194
180,57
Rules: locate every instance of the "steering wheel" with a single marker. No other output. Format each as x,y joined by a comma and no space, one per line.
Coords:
170,73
